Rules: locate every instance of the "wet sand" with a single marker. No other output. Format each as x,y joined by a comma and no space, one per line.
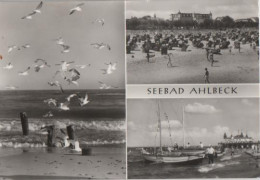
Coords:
188,67
40,163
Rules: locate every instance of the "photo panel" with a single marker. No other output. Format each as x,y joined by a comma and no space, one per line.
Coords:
192,42
62,74
193,138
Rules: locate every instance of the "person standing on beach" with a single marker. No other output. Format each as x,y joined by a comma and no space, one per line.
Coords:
169,64
211,58
211,152
207,53
206,76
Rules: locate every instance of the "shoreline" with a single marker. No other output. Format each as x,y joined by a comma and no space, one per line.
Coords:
57,163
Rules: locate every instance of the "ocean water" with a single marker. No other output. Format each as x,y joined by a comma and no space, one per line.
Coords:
100,122
239,166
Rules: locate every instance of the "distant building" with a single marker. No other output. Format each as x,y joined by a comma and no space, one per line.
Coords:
248,20
190,17
238,141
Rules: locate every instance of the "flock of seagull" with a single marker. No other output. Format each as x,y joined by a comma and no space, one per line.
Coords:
68,73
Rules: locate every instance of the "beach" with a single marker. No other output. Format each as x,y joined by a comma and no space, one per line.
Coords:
41,163
188,66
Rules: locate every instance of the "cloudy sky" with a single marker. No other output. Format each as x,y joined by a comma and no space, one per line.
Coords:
78,32
163,8
205,120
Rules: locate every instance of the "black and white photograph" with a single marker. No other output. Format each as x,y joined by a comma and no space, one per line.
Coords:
192,41
193,138
62,74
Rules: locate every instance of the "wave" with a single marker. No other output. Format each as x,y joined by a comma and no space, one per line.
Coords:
36,125
210,167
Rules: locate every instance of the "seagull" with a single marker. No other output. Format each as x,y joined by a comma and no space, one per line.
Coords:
26,46
11,87
24,73
59,41
99,20
66,48
64,65
75,145
56,83
112,65
105,86
82,66
37,10
44,64
76,8
48,115
71,96
64,106
11,48
8,66
100,46
72,82
75,75
51,101
83,101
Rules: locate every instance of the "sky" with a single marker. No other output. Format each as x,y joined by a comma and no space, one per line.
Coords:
163,8
78,32
205,120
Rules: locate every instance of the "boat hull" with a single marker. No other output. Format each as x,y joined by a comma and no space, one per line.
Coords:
169,159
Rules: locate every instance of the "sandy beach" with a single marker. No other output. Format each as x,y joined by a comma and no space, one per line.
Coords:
188,67
106,162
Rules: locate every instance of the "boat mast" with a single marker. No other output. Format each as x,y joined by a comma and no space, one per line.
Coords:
183,131
159,121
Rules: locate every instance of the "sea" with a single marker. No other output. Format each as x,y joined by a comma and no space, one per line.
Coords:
240,165
101,122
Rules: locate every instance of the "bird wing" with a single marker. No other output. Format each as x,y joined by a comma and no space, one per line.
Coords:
42,60
113,67
73,70
70,62
72,11
37,68
86,96
39,6
65,47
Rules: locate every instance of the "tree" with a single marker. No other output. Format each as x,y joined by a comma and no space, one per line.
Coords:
225,136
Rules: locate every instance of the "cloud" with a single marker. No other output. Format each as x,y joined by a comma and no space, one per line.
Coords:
201,108
175,124
247,102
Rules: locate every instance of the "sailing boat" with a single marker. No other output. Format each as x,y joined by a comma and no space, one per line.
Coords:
189,151
160,156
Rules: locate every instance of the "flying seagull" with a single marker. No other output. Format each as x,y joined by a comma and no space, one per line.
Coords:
24,73
83,100
76,8
8,66
83,66
35,11
105,86
51,101
99,20
64,65
11,48
66,48
56,83
71,96
101,46
59,41
43,64
48,115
